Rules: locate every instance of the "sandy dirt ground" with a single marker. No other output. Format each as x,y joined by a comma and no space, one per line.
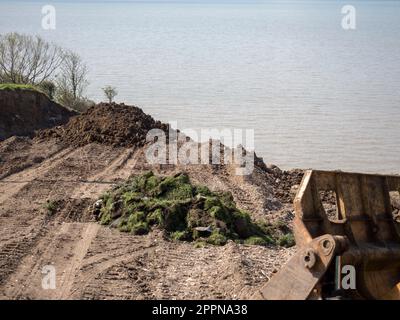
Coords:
96,262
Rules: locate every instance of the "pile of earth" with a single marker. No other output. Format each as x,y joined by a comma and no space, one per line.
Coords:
286,183
113,124
121,125
118,125
184,211
23,111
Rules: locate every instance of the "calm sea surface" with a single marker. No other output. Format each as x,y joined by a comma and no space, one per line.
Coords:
316,95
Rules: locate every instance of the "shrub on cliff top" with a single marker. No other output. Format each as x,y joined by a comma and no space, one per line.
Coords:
184,211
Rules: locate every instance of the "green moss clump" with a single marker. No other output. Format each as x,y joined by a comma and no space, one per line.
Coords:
155,217
203,190
105,218
179,235
139,228
287,240
184,211
200,244
278,233
217,238
261,241
17,86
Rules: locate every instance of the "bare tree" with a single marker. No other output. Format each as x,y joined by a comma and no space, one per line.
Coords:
71,82
28,59
49,88
73,74
31,60
110,93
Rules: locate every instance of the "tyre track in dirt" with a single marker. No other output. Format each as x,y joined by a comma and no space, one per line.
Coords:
106,145
63,249
110,249
23,230
12,184
173,270
119,169
80,250
95,262
47,248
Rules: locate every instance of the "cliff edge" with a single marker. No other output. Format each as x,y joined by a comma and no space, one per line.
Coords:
22,111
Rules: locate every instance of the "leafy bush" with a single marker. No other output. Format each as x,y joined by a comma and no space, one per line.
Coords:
110,93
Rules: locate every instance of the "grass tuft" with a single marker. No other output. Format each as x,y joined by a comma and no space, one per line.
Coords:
287,240
16,86
51,207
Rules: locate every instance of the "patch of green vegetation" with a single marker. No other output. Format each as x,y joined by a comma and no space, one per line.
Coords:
16,86
287,240
155,218
51,207
217,238
179,235
199,244
184,211
261,241
278,233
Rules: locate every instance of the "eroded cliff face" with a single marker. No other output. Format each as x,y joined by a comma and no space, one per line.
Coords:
24,111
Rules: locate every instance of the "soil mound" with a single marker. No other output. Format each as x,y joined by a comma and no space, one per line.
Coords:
113,124
287,184
24,111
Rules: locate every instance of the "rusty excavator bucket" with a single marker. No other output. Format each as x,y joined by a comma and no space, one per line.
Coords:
361,235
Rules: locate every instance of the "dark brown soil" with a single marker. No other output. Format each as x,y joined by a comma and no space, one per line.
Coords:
117,125
24,111
16,155
286,184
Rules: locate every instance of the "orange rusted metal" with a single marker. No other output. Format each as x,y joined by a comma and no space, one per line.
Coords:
363,234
